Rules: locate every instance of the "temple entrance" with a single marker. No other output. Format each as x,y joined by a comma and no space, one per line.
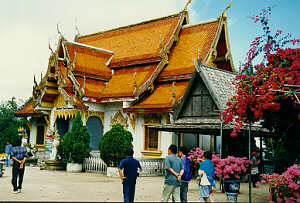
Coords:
62,126
95,129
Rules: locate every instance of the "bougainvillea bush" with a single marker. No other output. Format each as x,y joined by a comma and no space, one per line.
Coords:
195,155
231,167
269,91
285,187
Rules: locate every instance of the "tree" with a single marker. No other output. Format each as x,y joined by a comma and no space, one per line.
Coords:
9,124
115,144
75,145
267,91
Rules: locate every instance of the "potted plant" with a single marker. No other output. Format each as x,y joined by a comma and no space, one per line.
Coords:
74,146
285,187
232,169
113,147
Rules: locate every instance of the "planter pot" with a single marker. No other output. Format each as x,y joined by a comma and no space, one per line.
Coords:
55,165
112,172
74,167
232,188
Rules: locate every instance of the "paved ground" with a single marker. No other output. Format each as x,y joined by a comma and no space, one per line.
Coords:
45,185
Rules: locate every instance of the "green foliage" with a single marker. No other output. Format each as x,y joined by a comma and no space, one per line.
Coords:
75,145
9,124
114,145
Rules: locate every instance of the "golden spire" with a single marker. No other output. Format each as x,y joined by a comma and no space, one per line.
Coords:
224,14
185,8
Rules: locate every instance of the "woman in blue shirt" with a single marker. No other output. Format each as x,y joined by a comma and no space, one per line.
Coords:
207,173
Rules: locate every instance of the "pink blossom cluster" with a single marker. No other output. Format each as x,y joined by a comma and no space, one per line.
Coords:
231,167
195,155
285,187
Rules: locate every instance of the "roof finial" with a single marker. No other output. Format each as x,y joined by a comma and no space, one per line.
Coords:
74,60
76,27
198,57
224,14
83,85
57,27
34,81
185,8
134,80
173,91
49,46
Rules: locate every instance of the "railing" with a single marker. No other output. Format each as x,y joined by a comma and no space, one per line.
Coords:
94,164
152,166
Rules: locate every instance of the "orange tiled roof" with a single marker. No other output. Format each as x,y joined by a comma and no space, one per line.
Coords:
161,97
93,88
122,82
190,40
135,44
27,110
89,61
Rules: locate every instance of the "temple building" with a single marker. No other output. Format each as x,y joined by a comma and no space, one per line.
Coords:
135,75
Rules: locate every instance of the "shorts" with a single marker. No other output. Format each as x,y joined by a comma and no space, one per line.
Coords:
205,190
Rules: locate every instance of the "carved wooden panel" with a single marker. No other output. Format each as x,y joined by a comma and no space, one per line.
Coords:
119,118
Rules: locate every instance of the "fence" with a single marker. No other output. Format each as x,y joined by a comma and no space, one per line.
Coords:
151,167
94,164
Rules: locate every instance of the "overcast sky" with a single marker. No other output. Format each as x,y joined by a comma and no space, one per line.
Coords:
26,27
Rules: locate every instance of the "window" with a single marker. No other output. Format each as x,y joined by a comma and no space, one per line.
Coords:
151,139
40,134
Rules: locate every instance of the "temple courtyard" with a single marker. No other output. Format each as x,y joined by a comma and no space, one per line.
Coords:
43,185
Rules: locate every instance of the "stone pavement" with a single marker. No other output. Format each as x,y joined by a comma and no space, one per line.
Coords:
42,185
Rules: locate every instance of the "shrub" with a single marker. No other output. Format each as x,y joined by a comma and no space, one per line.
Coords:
285,187
75,145
231,167
114,145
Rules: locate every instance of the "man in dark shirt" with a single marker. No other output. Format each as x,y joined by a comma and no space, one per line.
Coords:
130,166
18,154
186,177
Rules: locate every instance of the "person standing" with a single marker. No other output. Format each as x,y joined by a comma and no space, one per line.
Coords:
254,169
174,171
130,166
207,174
186,177
8,148
18,155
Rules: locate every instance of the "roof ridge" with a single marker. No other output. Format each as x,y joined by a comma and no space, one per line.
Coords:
218,69
131,25
201,23
89,47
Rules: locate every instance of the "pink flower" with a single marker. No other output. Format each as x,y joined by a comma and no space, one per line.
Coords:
269,197
263,182
279,200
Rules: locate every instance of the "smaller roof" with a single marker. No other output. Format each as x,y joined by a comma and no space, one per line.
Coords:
89,60
219,83
93,88
193,40
135,44
161,99
123,81
28,110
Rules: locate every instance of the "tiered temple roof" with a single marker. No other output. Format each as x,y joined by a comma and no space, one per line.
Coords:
148,64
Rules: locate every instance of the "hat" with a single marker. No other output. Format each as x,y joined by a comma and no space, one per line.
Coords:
254,153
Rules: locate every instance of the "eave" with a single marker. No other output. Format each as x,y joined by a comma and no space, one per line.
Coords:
148,110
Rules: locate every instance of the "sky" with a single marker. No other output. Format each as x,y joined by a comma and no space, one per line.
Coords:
27,26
